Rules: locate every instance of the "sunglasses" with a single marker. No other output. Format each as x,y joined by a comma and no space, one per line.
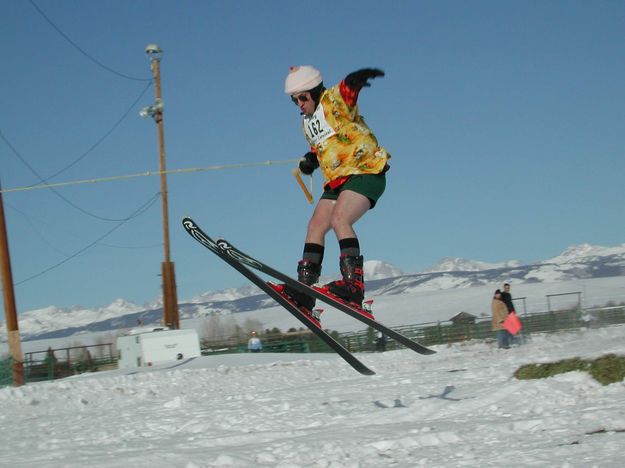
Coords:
300,98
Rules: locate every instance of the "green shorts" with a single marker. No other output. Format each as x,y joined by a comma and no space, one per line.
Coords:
370,185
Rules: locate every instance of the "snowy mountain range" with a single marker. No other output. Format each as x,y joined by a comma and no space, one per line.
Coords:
577,262
462,264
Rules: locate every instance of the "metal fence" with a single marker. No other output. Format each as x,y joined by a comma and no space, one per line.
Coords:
448,332
428,334
291,342
53,364
6,372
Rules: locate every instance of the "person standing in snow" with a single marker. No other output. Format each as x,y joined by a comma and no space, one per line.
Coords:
506,297
500,313
354,167
50,362
380,342
254,345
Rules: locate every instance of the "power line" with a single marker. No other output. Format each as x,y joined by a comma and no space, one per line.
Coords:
99,141
33,228
79,49
39,234
149,174
51,187
139,211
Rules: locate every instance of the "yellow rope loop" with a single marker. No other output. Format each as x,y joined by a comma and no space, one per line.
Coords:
307,193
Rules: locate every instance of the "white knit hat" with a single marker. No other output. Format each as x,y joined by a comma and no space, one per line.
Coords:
302,78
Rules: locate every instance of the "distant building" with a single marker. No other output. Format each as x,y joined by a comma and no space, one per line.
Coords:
463,318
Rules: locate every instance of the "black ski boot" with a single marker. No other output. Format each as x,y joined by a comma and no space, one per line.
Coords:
307,273
352,287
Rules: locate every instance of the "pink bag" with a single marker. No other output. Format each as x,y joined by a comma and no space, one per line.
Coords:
512,324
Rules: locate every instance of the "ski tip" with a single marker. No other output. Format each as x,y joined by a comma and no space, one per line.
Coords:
188,223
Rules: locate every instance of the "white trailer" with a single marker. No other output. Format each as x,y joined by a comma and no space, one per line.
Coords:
146,347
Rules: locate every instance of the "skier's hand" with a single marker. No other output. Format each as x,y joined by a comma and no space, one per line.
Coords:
359,79
308,163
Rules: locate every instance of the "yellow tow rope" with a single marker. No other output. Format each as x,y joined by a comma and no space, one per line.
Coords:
297,174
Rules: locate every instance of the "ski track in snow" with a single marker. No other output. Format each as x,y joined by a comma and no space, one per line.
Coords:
459,408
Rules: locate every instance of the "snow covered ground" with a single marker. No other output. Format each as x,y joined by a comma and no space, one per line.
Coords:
458,408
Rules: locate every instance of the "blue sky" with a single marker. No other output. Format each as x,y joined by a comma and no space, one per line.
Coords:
504,121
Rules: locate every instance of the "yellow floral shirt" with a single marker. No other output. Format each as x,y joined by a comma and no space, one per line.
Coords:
344,144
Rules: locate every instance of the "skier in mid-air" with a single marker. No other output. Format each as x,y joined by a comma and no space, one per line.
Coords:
354,168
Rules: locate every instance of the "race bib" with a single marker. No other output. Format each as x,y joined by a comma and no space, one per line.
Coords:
317,128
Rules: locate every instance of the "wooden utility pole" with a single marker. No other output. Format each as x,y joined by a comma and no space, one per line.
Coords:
8,294
170,296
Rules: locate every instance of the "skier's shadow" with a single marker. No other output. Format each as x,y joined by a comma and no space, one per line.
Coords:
396,404
443,396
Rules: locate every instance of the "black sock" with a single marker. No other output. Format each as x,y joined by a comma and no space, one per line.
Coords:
313,253
350,247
